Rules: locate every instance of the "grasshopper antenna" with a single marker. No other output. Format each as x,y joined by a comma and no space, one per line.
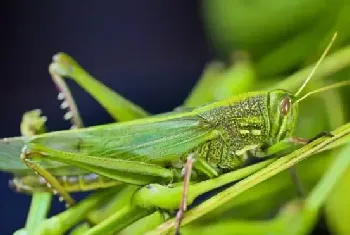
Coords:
316,66
326,88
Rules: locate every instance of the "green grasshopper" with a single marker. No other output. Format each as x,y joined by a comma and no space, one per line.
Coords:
212,139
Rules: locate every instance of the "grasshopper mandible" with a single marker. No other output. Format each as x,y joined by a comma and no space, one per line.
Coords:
212,139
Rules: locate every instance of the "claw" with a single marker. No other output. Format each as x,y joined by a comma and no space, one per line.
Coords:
322,134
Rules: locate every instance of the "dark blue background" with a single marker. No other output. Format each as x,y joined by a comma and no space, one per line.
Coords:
152,52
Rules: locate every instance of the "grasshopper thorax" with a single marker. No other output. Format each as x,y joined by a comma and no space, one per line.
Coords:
283,111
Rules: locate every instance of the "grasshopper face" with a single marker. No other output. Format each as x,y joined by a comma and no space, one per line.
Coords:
283,112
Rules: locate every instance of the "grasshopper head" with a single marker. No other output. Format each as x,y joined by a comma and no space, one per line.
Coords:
283,113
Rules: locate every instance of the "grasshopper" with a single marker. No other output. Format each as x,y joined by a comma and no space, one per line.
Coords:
197,144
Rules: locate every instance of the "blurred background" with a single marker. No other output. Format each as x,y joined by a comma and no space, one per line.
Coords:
151,52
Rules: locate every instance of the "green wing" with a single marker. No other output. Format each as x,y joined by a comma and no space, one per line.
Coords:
10,150
158,139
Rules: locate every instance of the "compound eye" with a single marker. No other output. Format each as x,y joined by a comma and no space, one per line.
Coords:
285,105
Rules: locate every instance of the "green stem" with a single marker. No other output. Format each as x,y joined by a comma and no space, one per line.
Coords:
39,207
114,204
233,227
60,223
119,220
307,218
145,224
320,193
